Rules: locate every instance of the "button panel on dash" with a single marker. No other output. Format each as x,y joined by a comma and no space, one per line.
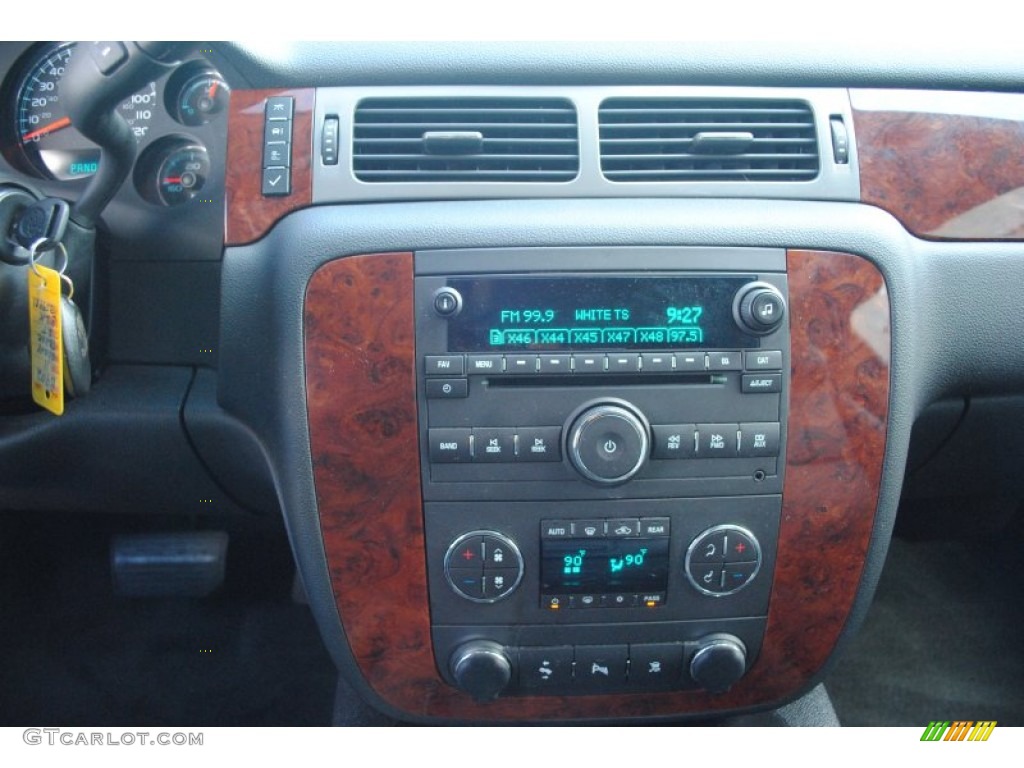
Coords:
277,146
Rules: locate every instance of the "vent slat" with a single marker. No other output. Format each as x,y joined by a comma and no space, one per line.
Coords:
707,174
523,140
649,140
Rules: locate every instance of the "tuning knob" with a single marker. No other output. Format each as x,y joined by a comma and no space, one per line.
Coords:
608,442
720,661
759,308
481,668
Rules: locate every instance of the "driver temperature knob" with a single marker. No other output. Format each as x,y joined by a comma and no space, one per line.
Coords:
720,661
481,668
608,442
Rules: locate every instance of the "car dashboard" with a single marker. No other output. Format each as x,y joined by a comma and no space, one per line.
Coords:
583,378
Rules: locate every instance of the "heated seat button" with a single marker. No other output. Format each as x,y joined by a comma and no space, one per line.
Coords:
600,667
655,664
545,668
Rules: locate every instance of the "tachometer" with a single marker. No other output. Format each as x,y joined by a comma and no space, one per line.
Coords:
49,143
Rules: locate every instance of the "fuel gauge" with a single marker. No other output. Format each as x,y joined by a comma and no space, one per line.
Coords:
201,98
172,172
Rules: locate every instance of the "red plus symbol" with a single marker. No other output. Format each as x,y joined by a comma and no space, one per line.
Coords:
740,547
468,554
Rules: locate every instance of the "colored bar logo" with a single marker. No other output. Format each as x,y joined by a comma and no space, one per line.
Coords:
960,730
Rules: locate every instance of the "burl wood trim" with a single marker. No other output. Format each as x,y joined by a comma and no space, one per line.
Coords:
955,177
249,214
360,383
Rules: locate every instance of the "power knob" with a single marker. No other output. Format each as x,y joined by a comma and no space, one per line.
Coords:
608,442
759,308
720,661
481,668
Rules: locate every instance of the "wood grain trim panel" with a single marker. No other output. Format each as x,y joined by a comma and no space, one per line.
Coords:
249,215
360,385
944,176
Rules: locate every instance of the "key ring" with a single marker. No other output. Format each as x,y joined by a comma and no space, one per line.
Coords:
36,250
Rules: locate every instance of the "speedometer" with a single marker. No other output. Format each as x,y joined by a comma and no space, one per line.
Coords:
49,143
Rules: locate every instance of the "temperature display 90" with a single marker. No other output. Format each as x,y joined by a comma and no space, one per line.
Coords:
599,566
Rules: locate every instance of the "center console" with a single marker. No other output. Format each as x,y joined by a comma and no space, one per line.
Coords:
586,483
600,442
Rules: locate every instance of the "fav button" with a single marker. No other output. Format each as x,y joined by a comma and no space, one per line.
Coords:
443,365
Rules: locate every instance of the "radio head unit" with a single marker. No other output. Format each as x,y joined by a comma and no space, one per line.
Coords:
600,448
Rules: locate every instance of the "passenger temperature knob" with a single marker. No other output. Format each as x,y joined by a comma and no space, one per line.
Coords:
759,308
481,668
720,661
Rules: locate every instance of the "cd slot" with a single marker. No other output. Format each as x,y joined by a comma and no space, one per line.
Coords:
605,380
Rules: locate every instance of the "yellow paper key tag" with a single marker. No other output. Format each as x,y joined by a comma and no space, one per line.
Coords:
45,336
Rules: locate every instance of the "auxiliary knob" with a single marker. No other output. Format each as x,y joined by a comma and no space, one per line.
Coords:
481,668
759,308
720,661
608,442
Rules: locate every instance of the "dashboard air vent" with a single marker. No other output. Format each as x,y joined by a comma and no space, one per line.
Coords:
687,139
465,139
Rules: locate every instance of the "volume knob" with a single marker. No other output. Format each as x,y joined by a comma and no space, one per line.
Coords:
608,442
759,308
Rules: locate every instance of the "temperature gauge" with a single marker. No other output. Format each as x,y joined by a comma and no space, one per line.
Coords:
201,98
172,172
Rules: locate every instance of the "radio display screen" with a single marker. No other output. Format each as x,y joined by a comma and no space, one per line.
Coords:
584,313
584,566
